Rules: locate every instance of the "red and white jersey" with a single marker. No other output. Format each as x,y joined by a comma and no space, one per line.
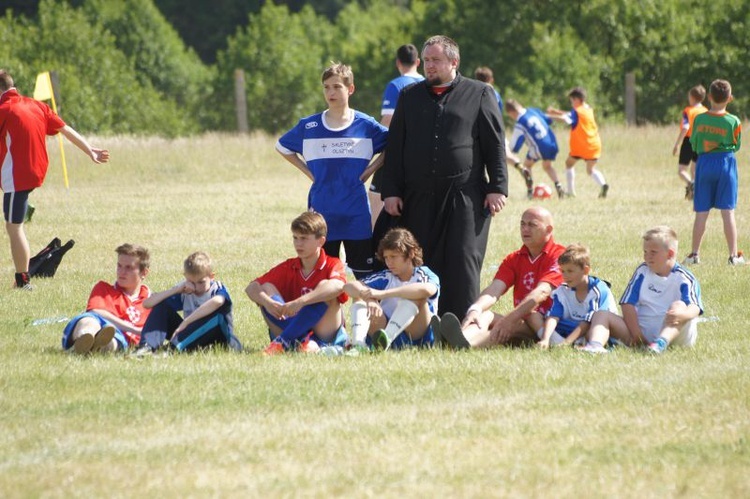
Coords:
24,125
105,296
289,278
524,273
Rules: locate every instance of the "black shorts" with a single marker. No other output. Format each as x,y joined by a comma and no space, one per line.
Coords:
686,152
15,205
359,255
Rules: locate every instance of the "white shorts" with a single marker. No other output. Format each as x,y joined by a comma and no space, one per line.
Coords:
687,337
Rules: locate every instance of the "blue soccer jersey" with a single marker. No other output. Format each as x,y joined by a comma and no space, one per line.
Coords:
652,295
385,279
570,312
533,127
337,157
393,90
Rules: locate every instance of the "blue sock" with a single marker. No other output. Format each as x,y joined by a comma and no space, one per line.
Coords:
300,325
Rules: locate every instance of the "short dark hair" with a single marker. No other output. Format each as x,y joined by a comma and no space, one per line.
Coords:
720,91
483,73
407,54
513,104
698,93
6,80
401,240
577,93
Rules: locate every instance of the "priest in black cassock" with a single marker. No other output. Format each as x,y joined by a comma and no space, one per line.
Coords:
445,174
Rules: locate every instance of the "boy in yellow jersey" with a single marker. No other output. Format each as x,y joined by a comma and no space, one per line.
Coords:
585,143
688,157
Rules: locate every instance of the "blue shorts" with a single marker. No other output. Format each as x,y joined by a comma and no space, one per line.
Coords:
15,205
403,340
715,182
339,339
122,342
565,327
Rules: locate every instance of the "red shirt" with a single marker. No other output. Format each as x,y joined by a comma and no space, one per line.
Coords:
289,279
24,125
107,297
523,273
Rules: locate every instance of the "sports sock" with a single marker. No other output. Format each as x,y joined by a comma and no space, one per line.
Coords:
598,177
570,176
661,343
360,323
300,325
405,312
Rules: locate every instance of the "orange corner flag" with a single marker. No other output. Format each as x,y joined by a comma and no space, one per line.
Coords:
43,87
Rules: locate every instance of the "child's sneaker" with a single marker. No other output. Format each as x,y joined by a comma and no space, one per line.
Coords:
274,348
83,344
560,190
692,259
143,351
594,348
737,260
658,347
690,191
450,329
308,346
437,335
103,337
380,340
604,191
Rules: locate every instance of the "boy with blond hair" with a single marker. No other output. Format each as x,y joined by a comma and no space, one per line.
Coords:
688,157
395,306
660,305
206,312
115,313
585,142
575,301
334,149
301,298
717,135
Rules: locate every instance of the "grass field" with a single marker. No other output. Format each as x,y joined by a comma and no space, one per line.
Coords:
498,423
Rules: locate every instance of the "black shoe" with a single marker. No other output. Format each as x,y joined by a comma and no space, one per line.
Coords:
436,333
603,193
690,191
450,329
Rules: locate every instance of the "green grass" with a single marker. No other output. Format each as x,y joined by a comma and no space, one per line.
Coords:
499,423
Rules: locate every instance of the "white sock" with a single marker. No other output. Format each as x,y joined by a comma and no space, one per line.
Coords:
405,312
598,177
570,176
360,323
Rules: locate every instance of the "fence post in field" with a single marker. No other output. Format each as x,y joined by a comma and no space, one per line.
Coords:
240,100
630,114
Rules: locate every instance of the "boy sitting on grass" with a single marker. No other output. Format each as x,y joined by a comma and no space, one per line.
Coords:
575,301
395,306
115,313
660,305
301,298
205,305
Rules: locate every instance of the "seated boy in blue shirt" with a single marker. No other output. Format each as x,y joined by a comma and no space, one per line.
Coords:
206,308
575,301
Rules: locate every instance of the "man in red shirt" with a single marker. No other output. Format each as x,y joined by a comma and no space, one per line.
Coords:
304,294
24,125
115,313
532,272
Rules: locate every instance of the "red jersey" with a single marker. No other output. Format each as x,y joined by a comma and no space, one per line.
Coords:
24,125
523,273
107,297
290,280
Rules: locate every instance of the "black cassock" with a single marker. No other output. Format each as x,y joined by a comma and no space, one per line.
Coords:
444,154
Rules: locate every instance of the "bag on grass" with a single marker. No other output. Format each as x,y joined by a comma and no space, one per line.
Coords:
45,263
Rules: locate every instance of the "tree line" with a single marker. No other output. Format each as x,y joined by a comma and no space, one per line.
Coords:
124,68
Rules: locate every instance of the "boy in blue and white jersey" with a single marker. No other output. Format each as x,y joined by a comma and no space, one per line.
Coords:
533,128
576,301
393,308
335,150
660,305
206,312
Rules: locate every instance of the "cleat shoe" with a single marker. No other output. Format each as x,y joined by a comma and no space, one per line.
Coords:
604,191
308,346
143,351
450,329
692,259
530,194
82,345
594,349
560,190
380,340
435,325
690,191
356,350
103,337
658,347
274,348
737,260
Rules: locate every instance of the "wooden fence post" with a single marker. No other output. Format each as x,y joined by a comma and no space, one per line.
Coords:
630,111
240,100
